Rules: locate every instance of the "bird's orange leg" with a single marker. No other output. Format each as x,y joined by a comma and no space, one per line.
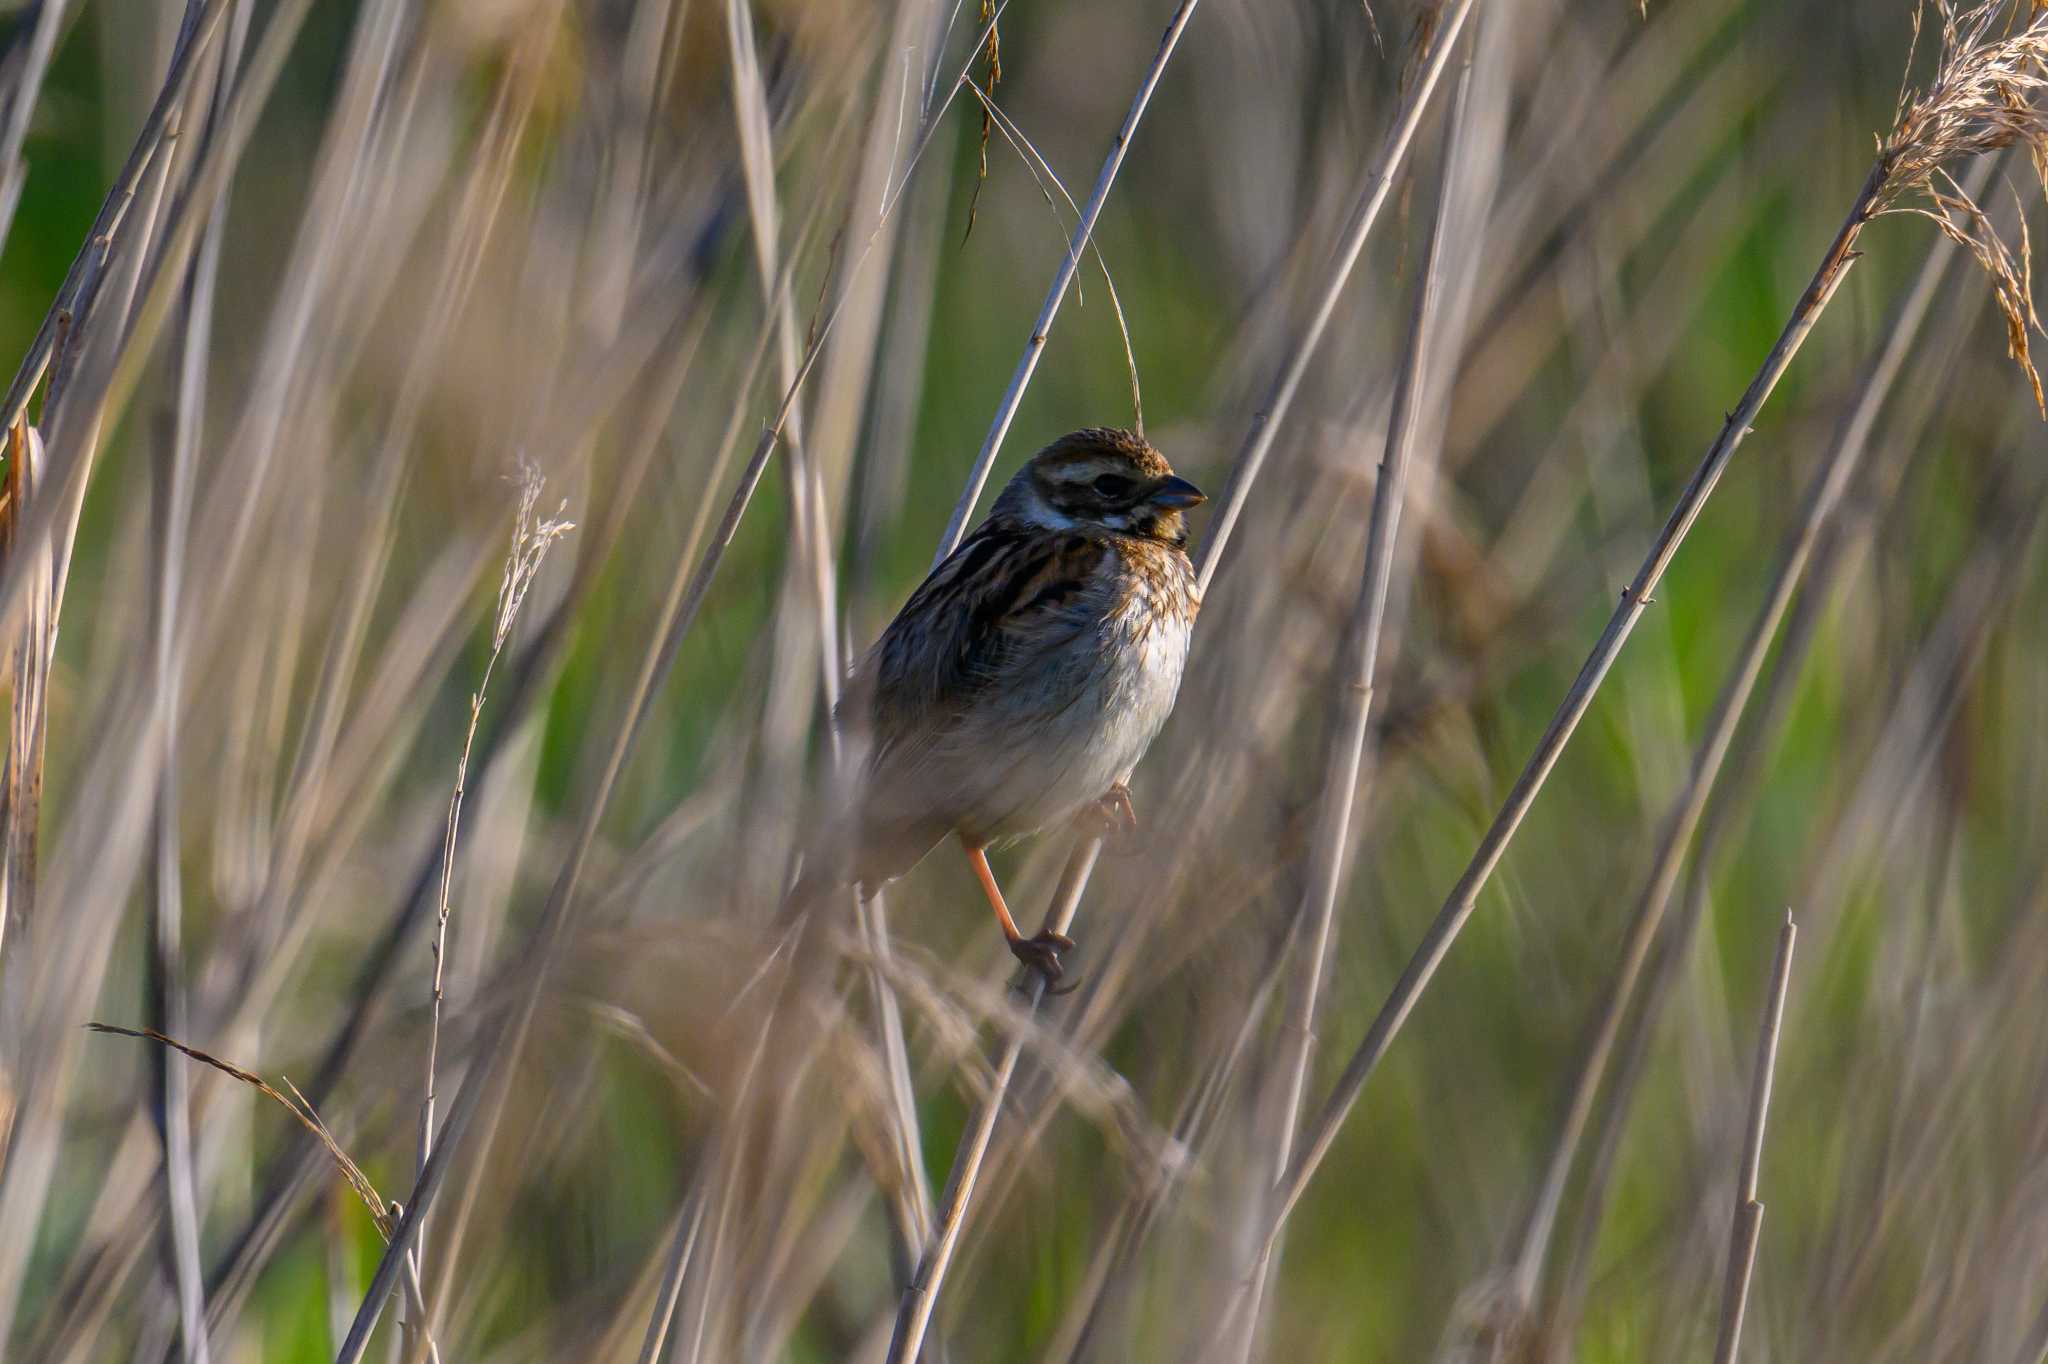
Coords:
1042,953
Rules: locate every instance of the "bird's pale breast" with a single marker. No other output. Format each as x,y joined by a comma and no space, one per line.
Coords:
1070,727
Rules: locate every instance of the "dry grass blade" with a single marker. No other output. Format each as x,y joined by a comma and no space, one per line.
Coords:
380,1212
1824,498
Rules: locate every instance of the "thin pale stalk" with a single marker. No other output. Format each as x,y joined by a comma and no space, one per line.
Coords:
1258,441
171,98
1749,1213
1829,485
1070,264
532,537
1458,907
1966,611
669,1291
50,20
1354,690
914,1313
1135,1221
172,506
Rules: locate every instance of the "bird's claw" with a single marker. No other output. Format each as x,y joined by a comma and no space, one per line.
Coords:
1042,954
1111,815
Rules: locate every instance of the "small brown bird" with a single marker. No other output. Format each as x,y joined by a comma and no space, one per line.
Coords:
1027,675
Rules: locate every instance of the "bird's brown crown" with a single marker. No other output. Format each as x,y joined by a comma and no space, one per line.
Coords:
1101,477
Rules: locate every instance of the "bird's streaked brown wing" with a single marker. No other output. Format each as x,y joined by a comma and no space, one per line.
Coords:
1006,596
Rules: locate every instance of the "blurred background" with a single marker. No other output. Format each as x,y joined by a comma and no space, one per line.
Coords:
401,287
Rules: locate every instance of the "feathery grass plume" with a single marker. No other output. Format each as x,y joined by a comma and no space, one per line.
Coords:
1986,95
532,537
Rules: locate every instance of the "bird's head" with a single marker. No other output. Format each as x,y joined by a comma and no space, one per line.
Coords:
1105,478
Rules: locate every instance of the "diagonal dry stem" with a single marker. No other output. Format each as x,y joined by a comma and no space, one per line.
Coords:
1824,497
1070,264
1272,411
1965,112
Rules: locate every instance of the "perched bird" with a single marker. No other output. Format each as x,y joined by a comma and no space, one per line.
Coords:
1026,676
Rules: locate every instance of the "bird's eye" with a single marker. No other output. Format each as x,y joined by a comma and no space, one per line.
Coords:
1113,485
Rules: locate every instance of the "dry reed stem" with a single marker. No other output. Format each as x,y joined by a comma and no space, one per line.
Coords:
1749,1213
1354,687
1055,294
1825,494
1949,129
187,372
1265,424
913,1315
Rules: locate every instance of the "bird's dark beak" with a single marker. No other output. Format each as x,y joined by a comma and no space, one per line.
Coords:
1177,492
